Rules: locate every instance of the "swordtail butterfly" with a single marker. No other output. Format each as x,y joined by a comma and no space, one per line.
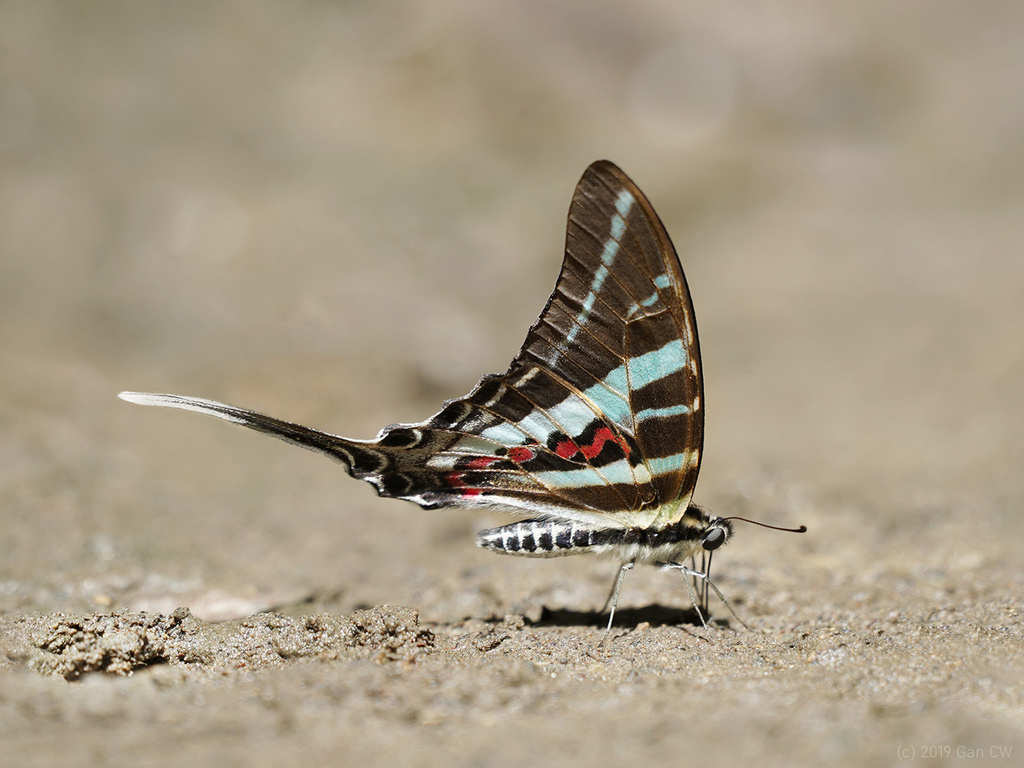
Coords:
593,434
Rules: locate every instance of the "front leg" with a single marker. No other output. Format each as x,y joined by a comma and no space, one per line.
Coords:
686,570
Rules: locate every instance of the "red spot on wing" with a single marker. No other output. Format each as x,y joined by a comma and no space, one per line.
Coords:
481,462
566,449
602,436
521,454
456,480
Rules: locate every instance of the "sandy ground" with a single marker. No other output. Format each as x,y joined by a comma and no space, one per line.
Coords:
342,214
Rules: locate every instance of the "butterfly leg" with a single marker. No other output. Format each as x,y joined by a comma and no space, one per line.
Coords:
695,574
701,585
613,596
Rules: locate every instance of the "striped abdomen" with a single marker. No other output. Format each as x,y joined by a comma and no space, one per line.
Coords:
552,538
538,538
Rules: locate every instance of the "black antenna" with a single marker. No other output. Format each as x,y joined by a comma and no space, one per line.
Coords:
801,529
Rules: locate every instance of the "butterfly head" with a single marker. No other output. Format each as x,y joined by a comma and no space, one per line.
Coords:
716,535
713,531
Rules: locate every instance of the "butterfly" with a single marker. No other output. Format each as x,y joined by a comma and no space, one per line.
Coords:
595,431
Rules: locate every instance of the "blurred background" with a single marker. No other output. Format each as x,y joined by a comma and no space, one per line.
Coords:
343,213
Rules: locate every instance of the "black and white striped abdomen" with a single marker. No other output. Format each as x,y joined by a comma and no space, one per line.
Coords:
696,530
538,538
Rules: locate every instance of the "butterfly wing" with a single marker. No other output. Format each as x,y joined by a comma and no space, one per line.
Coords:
598,418
619,333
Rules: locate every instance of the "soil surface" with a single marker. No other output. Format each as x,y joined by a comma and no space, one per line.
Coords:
342,214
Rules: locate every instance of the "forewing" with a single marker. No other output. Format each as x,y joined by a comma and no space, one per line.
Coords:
620,329
600,413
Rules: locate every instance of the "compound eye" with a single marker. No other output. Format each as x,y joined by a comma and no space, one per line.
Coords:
714,539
